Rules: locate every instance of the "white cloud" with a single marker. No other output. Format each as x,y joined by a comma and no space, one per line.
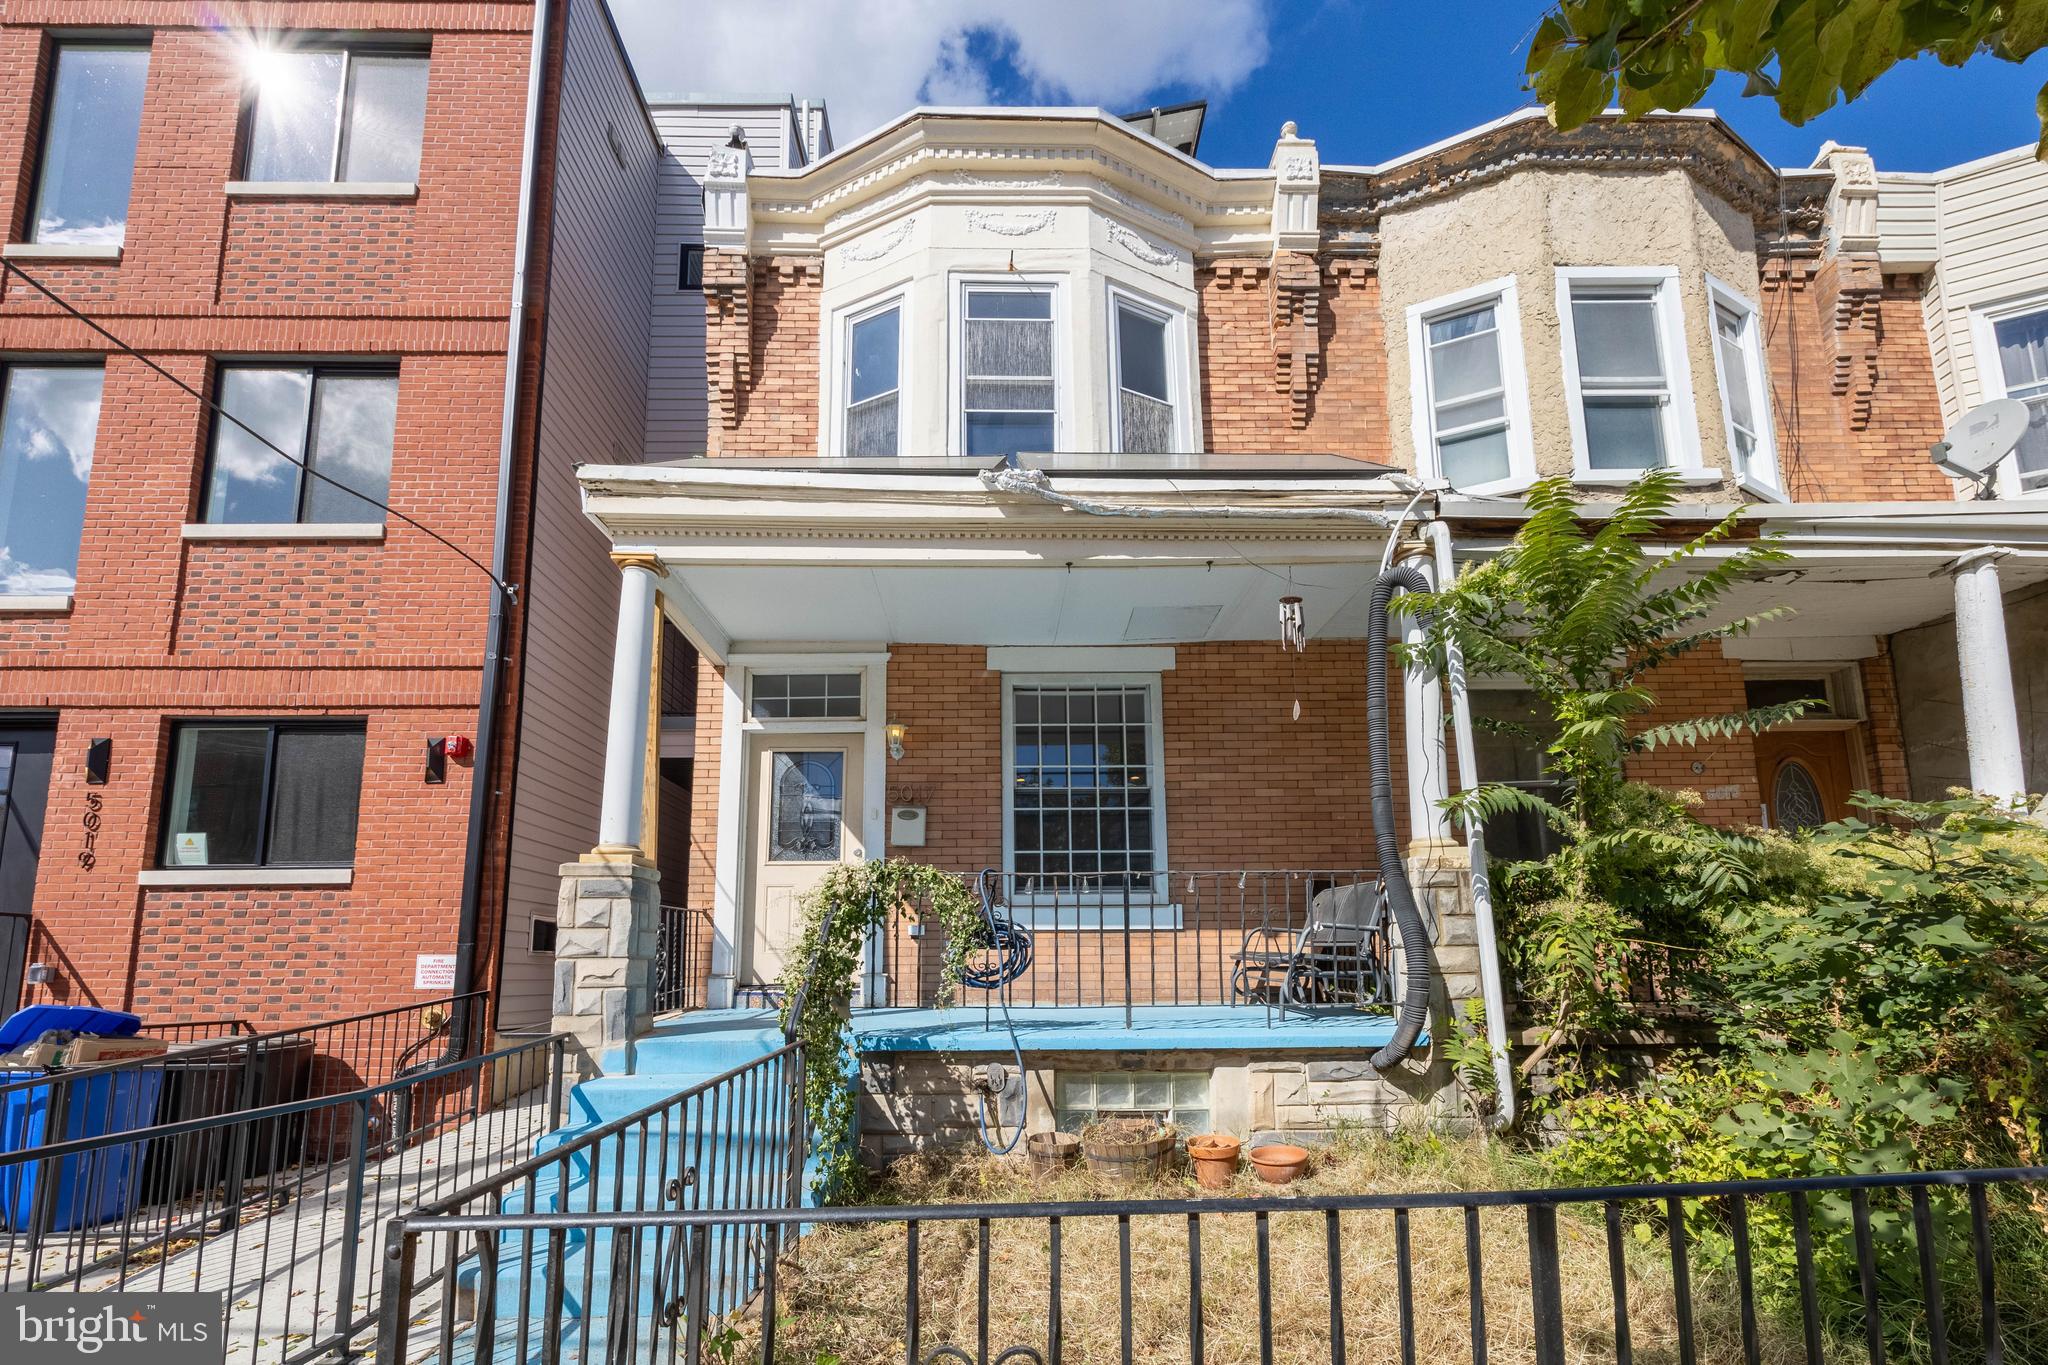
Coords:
873,59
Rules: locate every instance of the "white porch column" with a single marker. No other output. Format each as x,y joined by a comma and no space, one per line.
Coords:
1422,714
1991,719
625,748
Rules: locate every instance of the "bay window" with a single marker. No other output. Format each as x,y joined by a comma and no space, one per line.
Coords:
49,422
87,166
1625,369
1142,378
874,362
1471,409
336,114
1745,388
338,420
2020,371
1009,398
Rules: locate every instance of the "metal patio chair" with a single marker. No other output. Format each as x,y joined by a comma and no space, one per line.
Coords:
1340,955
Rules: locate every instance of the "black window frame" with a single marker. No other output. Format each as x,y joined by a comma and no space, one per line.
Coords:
16,360
245,128
690,269
55,45
272,727
316,368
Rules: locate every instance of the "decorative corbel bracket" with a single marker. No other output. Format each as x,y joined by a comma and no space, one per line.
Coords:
1296,281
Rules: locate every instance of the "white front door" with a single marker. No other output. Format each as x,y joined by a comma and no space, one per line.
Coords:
803,819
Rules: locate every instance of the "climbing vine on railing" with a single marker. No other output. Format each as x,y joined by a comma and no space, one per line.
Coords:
818,979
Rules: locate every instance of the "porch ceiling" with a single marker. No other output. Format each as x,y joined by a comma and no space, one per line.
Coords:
1865,597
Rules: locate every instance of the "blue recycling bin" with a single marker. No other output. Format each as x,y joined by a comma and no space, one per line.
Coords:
92,1187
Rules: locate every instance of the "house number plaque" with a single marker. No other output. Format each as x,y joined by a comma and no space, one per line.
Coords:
86,856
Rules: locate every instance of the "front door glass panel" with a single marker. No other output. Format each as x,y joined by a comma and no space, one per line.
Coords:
805,803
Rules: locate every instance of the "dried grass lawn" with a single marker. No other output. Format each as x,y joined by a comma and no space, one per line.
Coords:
843,1300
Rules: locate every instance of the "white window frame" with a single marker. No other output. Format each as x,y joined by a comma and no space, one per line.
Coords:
1514,376
1070,910
1062,377
1984,321
1765,479
840,364
1177,387
1681,423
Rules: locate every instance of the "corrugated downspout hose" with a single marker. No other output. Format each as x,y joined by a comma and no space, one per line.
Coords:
1400,895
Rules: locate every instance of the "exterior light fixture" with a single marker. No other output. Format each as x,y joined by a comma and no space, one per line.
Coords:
895,731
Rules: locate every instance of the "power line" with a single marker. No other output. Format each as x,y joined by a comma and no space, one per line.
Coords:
510,591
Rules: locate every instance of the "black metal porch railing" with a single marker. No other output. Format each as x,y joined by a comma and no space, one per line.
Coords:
682,959
281,1207
1178,937
1878,1268
734,1142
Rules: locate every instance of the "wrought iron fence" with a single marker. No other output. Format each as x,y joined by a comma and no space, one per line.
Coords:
1289,938
734,1142
282,1207
1827,1269
191,1031
682,959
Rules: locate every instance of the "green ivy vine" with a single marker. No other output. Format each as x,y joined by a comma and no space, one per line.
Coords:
821,968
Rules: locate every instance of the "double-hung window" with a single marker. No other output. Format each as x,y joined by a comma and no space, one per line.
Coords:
255,794
329,113
49,420
1471,406
1624,352
2021,371
1745,388
339,422
93,117
1009,399
1147,420
1082,757
873,380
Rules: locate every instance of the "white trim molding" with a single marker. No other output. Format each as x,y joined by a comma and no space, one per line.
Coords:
61,251
1506,302
1080,658
1680,422
35,602
322,189
245,876
1761,475
1984,320
281,530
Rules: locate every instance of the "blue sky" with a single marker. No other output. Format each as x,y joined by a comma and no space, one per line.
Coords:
1368,79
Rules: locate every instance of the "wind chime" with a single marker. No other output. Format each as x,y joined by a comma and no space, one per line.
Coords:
1294,640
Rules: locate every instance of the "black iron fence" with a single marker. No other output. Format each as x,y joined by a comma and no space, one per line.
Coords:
735,1142
1291,938
279,1207
1921,1267
682,959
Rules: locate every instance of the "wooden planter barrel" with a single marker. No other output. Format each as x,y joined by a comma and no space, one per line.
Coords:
1128,1161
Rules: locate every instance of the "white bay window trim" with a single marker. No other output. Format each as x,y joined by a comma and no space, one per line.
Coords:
961,286
1678,420
840,365
1084,910
1759,474
1991,379
1174,324
1422,405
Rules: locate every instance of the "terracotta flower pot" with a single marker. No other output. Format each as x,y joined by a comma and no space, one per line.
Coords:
1279,1163
1214,1156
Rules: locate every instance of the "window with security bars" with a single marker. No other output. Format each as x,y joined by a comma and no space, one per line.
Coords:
1009,400
1144,393
1083,785
2023,361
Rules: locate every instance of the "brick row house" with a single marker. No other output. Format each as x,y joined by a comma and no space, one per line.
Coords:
257,734
1027,436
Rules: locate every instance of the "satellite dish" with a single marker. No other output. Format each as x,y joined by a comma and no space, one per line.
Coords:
1981,437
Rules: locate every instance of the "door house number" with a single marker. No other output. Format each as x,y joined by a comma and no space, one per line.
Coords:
86,856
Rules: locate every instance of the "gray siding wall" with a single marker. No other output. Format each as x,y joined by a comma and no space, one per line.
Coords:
593,408
676,408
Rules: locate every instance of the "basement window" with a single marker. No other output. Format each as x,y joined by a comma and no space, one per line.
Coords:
1179,1097
336,114
258,794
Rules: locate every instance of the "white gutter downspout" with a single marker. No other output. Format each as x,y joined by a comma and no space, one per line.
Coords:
483,774
1490,989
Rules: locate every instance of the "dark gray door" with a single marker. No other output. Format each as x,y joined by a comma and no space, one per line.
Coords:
24,788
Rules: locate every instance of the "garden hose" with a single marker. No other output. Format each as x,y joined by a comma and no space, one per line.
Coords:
1400,895
1011,943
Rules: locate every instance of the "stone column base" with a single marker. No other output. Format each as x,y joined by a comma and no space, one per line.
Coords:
608,918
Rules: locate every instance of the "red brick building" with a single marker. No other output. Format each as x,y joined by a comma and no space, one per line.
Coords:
364,230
